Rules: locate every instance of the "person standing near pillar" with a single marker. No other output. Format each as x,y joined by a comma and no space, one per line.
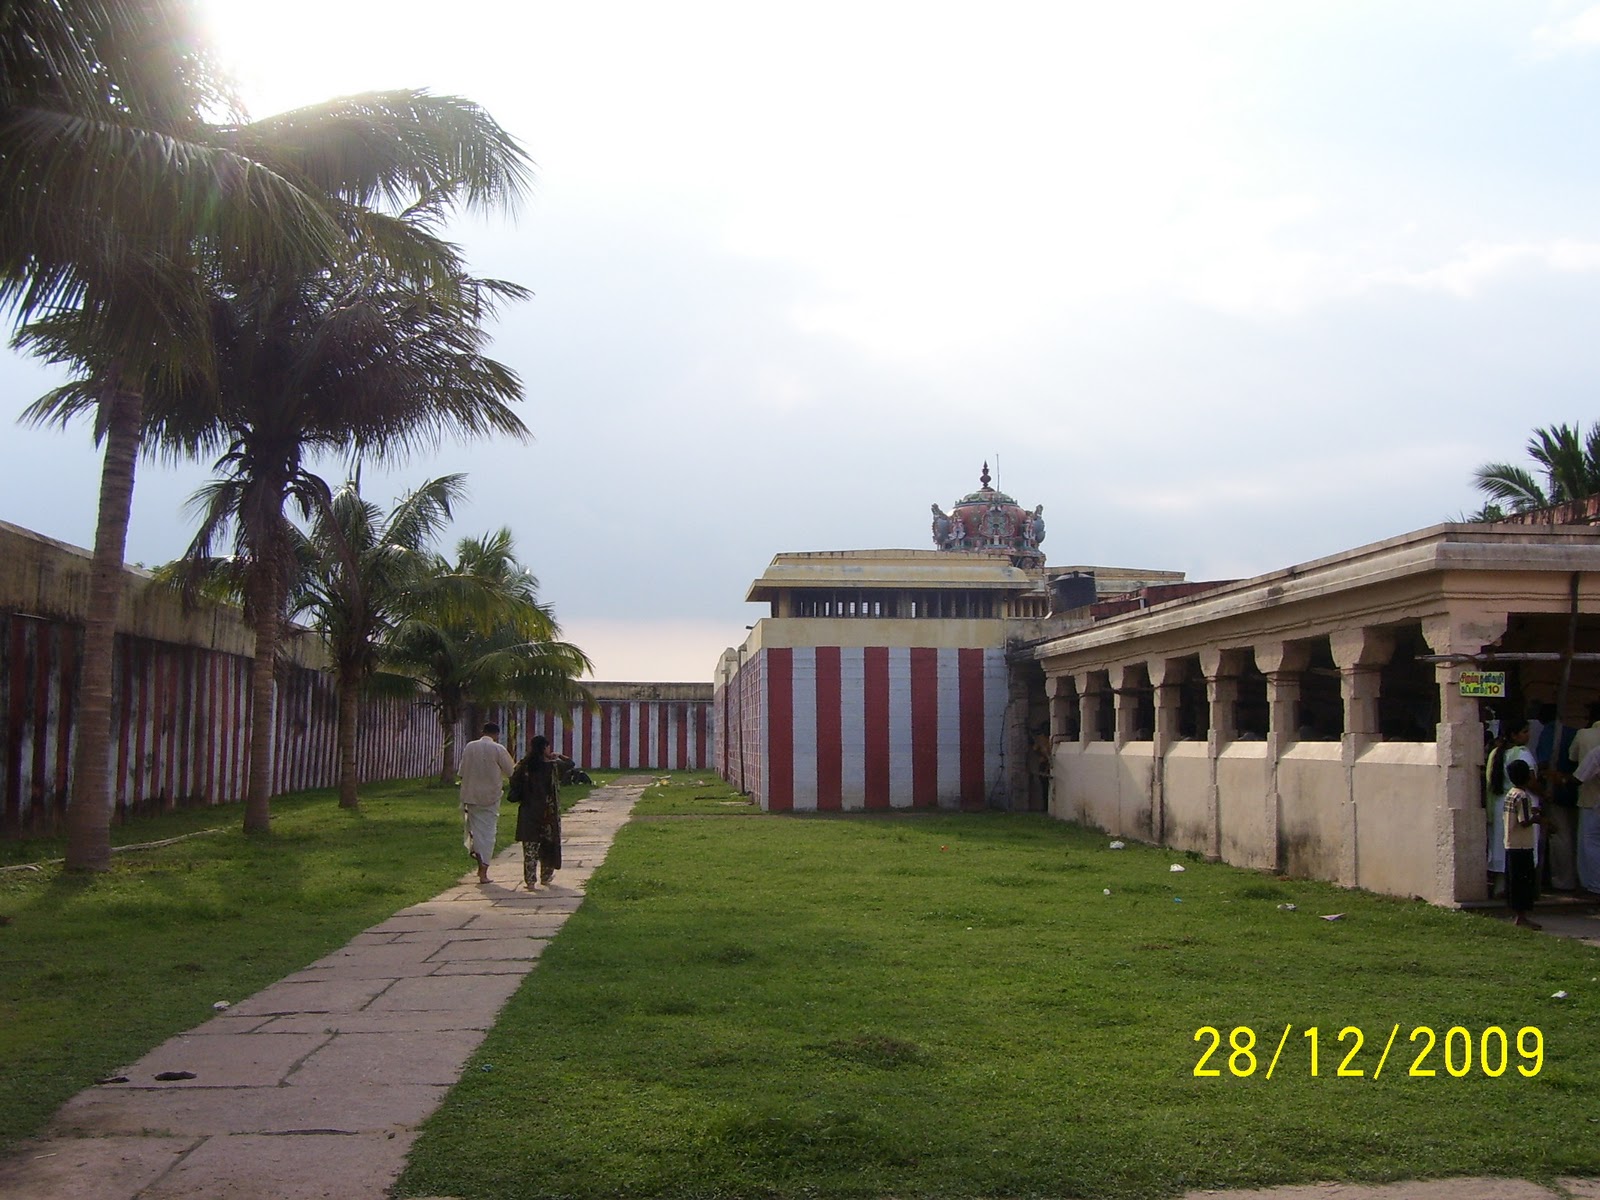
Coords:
1583,746
1511,746
1520,816
1560,792
485,766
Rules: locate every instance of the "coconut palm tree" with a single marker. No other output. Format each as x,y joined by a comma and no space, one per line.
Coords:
119,201
467,662
320,365
365,567
1568,459
104,195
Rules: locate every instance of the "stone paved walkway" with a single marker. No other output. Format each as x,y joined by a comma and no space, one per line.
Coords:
315,1086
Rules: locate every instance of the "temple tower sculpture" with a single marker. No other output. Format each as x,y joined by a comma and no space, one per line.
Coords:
989,520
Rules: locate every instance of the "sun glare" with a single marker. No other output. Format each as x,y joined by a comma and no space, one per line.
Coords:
297,52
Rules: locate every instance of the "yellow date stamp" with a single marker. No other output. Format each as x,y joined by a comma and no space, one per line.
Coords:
1457,1052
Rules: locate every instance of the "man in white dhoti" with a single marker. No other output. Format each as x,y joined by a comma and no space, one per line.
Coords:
1585,753
485,766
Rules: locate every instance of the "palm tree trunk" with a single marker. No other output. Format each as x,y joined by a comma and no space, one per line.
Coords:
90,806
448,717
263,708
349,715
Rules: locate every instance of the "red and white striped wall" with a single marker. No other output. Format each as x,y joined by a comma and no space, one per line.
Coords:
180,726
831,728
652,735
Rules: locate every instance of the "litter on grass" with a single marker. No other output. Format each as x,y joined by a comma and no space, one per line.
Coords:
1334,917
1287,907
1107,891
1558,996
1118,845
1175,868
222,1006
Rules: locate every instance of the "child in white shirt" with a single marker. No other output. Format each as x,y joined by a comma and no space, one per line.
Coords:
1520,817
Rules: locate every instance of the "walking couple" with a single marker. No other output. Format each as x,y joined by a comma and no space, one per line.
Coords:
485,763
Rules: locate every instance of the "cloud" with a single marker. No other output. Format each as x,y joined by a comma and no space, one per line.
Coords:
1478,266
1577,34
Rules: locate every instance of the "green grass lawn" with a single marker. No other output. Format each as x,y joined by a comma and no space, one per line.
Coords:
935,1006
96,971
692,793
951,1006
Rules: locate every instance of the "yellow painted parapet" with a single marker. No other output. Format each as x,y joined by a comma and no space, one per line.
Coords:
42,577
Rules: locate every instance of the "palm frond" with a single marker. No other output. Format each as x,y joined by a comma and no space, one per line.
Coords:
391,147
1511,485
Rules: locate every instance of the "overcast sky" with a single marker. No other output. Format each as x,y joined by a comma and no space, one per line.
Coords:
1224,284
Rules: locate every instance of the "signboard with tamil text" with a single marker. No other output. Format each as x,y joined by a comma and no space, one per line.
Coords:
1489,684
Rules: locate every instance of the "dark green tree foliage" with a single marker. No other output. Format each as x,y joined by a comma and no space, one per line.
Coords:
1568,459
360,570
508,650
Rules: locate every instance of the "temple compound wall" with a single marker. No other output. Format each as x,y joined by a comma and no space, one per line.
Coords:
1312,721
181,703
644,726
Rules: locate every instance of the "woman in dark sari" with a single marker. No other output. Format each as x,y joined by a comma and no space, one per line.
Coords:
533,790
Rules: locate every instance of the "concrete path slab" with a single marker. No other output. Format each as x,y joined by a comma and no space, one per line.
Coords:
196,1112
255,1059
314,1165
316,1086
102,1168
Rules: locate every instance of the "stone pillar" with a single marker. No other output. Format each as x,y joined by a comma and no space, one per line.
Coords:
1126,680
1089,686
1062,692
1165,676
1461,872
1360,654
1283,663
1221,669
1017,737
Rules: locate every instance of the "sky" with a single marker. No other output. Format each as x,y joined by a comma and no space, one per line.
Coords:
1225,285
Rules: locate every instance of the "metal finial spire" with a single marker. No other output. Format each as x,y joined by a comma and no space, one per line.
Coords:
984,478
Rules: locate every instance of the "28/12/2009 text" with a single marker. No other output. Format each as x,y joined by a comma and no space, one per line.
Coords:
1457,1051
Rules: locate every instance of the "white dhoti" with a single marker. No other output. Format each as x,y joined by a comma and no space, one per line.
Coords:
1589,849
1561,836
481,821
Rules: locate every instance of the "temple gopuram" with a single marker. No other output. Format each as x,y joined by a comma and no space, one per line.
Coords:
991,520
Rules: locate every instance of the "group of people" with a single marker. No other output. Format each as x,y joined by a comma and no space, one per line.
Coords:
535,790
1532,784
